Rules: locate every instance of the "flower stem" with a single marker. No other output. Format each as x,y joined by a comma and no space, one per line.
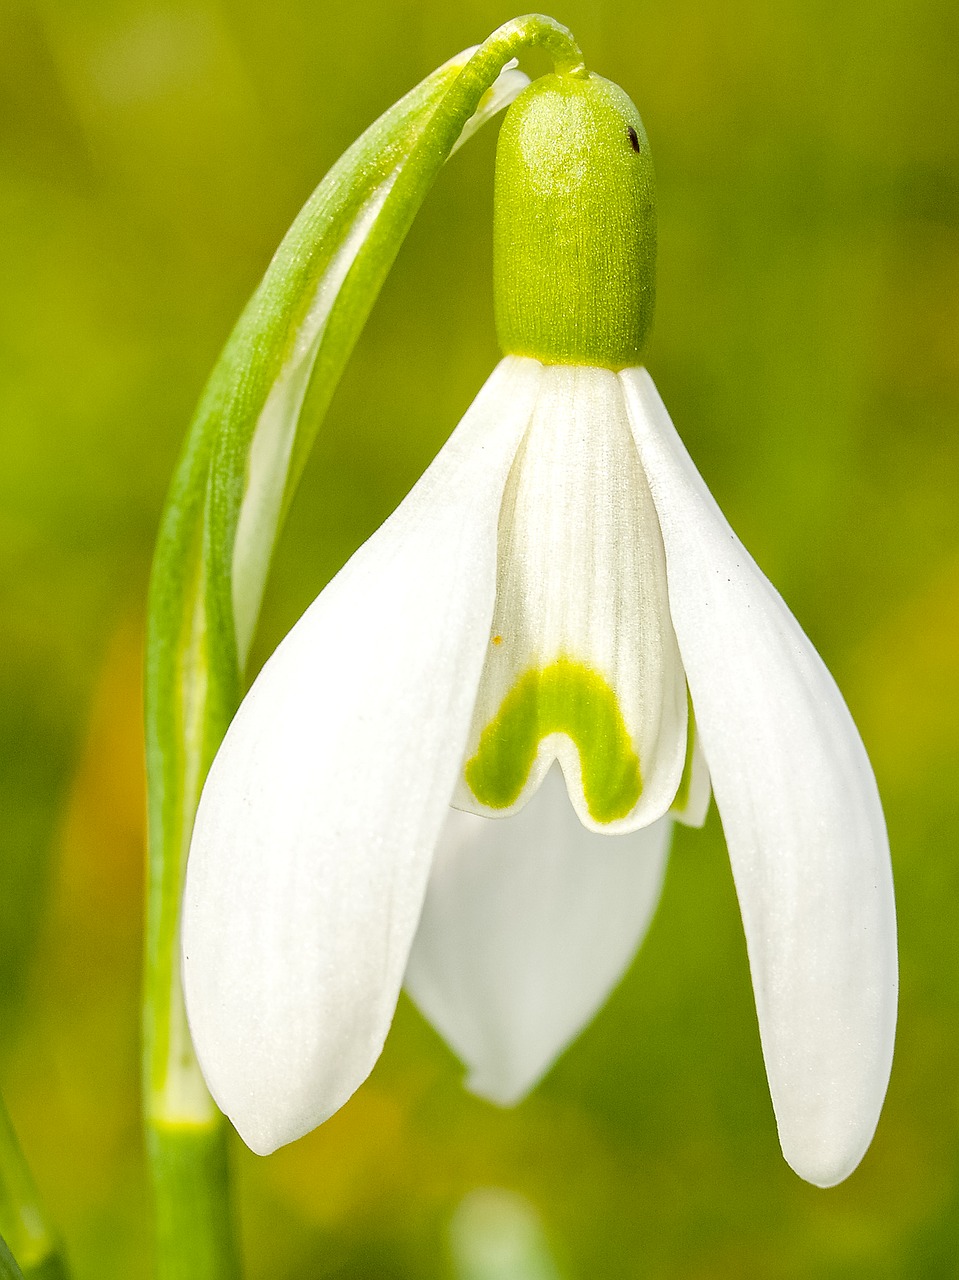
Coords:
24,1225
194,664
194,1228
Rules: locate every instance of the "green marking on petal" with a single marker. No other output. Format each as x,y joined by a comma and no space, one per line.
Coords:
564,697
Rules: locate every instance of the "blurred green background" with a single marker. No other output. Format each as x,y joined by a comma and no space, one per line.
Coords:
152,153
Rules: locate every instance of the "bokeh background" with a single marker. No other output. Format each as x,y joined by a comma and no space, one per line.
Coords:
152,153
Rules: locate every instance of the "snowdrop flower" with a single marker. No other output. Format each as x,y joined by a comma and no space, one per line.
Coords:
523,640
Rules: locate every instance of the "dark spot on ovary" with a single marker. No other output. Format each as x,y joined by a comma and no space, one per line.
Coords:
633,138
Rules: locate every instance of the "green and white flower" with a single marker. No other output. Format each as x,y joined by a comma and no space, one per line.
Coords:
461,768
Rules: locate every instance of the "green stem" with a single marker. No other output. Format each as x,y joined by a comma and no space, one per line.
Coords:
194,1228
194,662
24,1224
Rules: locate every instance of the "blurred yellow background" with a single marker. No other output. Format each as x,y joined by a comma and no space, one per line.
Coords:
152,153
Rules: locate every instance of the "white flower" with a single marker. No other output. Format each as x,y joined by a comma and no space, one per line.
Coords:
545,593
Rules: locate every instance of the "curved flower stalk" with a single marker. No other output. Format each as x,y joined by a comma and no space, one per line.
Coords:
522,640
243,458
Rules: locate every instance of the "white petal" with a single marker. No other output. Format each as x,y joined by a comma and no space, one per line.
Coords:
317,824
583,647
695,791
529,922
802,817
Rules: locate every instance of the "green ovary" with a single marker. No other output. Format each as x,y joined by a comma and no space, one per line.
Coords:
564,697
